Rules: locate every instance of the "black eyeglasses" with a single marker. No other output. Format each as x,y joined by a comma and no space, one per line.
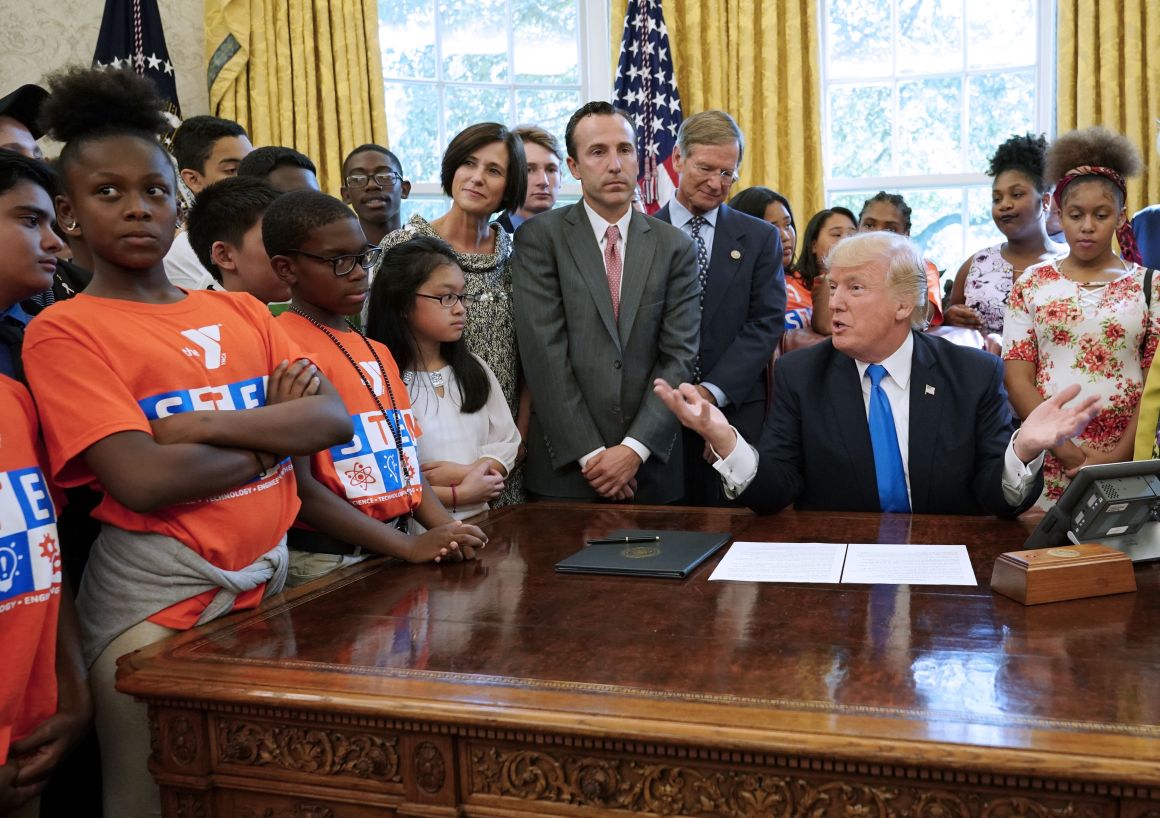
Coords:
343,265
448,300
388,179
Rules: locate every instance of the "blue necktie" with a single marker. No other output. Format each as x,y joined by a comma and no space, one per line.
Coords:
884,439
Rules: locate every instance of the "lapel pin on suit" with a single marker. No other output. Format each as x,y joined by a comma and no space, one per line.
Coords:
735,254
929,389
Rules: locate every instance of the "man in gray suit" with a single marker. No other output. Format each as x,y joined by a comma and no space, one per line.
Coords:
606,301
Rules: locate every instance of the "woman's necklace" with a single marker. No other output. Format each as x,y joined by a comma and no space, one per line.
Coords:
403,521
436,378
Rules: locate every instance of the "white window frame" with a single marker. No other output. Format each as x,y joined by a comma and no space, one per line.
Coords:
595,49
1045,79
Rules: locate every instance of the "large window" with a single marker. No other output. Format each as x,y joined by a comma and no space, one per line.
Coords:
448,64
918,93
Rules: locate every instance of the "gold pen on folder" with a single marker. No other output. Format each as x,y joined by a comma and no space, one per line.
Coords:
619,540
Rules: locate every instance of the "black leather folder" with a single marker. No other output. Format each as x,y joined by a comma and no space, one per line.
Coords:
674,556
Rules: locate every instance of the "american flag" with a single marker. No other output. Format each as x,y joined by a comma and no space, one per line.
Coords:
131,37
647,89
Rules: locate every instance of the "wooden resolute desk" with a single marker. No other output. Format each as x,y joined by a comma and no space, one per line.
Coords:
499,688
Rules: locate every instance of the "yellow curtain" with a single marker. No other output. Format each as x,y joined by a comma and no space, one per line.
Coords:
302,73
1109,74
759,61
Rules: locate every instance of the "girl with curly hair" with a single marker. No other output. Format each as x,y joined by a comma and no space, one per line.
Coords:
1084,317
1020,200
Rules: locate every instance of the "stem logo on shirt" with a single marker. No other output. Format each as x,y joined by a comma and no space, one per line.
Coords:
247,394
209,345
369,465
29,547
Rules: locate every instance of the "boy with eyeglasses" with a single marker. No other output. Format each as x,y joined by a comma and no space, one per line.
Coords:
358,498
374,187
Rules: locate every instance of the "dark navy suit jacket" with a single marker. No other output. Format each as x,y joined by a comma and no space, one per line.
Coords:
744,310
815,447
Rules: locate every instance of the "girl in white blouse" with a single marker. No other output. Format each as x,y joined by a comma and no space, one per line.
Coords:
469,441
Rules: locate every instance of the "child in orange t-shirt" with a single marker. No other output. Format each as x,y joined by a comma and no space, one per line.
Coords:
359,495
179,407
45,705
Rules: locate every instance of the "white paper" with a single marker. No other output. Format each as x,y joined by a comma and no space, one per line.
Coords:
876,564
781,562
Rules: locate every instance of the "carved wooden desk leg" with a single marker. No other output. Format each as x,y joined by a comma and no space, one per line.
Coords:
181,761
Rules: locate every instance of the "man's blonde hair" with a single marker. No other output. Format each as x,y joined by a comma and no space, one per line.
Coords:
710,128
905,266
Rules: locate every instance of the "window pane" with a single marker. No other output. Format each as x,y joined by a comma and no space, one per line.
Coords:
930,116
1001,34
858,40
548,109
1001,104
413,125
930,36
466,105
851,201
860,123
474,40
407,38
429,207
982,232
546,48
937,226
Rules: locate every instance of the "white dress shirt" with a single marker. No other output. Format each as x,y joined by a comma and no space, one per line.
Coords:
182,267
599,227
740,467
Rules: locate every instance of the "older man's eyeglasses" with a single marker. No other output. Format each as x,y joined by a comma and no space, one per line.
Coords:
728,177
343,265
449,300
386,179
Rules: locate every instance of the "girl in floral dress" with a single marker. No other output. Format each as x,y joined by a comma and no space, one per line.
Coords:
1083,318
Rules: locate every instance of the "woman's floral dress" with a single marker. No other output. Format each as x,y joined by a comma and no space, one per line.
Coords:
1102,338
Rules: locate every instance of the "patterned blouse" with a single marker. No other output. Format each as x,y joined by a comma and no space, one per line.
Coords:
988,285
1101,338
490,329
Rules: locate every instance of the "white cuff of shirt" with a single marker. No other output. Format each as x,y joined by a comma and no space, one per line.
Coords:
584,460
739,468
1017,475
641,450
717,394
631,442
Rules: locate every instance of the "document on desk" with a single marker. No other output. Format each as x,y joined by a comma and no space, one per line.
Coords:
781,562
878,564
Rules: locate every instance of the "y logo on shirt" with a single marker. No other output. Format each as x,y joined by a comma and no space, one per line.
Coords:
208,340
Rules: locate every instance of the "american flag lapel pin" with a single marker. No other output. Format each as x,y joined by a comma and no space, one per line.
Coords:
929,389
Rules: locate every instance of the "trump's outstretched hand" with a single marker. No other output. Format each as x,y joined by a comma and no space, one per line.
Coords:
698,414
1052,422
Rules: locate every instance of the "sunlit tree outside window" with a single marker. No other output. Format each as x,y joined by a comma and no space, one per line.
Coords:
917,95
448,64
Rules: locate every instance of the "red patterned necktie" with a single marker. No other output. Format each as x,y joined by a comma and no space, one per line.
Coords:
612,266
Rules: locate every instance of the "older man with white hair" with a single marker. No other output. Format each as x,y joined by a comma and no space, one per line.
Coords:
881,417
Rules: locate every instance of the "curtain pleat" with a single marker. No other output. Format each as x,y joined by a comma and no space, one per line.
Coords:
302,73
1108,65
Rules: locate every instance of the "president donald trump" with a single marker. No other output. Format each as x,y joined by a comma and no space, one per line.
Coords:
882,417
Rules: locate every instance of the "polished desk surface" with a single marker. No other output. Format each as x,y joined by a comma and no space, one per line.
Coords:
948,675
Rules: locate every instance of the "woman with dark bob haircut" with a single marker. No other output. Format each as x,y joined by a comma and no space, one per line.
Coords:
483,172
